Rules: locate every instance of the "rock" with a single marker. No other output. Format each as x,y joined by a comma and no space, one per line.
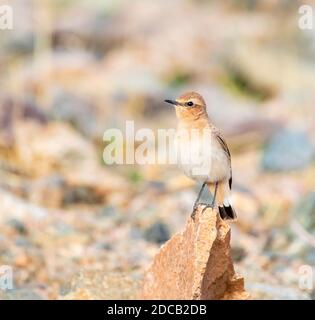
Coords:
158,233
249,206
54,185
195,264
82,194
93,183
75,110
42,150
288,150
238,254
304,212
20,294
98,30
20,44
14,110
13,207
89,285
18,226
267,291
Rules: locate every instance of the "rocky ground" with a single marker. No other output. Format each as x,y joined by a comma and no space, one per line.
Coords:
72,226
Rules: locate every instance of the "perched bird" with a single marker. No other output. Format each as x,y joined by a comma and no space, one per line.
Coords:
205,156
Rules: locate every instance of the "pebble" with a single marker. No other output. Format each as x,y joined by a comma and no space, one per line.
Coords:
20,294
157,233
18,226
288,150
304,212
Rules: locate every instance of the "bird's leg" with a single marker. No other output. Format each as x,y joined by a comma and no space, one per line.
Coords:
215,195
197,200
214,198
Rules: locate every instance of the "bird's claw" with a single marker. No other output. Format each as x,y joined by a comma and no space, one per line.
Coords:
194,211
207,206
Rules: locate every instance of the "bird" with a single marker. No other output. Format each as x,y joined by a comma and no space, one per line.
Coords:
204,153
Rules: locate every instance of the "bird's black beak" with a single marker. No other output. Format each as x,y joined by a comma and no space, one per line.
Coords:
173,102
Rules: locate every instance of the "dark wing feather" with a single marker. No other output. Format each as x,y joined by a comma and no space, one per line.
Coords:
225,148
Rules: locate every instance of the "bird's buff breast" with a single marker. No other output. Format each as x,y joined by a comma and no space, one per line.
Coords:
201,158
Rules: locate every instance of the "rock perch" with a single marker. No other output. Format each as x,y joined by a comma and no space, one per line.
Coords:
195,264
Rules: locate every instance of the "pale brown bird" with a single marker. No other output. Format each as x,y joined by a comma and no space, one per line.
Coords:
207,158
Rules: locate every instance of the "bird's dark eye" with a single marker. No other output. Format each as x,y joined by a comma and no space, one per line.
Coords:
190,103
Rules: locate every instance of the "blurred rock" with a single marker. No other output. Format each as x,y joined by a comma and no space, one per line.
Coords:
252,128
288,150
238,254
108,212
73,109
57,146
248,206
96,29
195,264
277,240
18,226
268,291
304,212
262,65
81,194
102,286
157,233
21,44
310,257
13,207
54,185
20,294
94,183
11,112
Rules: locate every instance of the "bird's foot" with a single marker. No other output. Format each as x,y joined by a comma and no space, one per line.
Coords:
205,206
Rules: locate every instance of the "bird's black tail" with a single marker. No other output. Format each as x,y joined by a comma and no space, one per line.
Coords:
227,213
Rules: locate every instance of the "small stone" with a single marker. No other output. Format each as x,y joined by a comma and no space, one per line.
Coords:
268,291
20,294
304,212
157,233
81,194
104,246
89,285
23,242
18,226
108,212
64,229
21,261
135,233
310,257
54,185
75,110
288,150
21,44
238,254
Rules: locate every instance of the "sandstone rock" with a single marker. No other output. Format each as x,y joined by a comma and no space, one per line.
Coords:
195,264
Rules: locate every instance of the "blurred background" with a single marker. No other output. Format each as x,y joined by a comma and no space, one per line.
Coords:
70,225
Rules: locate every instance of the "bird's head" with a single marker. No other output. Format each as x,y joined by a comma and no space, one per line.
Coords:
189,106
